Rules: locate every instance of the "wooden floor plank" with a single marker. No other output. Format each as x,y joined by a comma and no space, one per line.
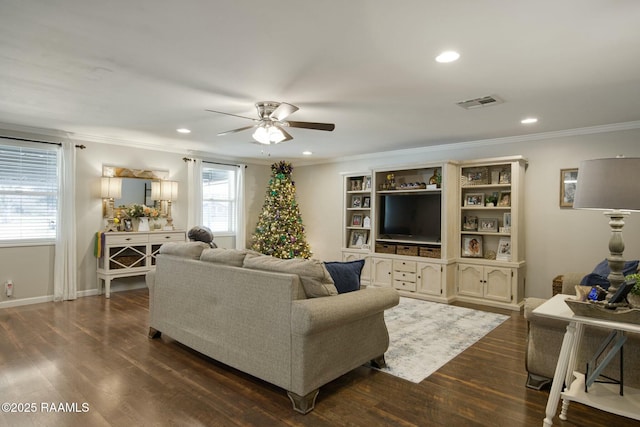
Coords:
96,351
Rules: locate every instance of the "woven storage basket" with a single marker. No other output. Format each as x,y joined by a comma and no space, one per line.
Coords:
430,252
385,249
407,250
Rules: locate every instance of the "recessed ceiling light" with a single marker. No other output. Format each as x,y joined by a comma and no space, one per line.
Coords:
307,153
448,56
528,120
183,130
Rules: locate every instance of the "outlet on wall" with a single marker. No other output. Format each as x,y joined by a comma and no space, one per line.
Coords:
8,287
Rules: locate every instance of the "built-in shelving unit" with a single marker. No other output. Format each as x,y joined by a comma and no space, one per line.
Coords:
421,224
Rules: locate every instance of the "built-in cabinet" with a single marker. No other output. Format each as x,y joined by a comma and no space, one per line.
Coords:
128,254
435,232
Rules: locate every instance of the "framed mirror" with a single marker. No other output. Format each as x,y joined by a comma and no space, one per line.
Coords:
136,184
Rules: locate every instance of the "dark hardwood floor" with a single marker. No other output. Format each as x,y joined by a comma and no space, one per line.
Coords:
96,352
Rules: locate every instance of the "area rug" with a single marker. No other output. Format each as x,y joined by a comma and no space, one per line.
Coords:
426,335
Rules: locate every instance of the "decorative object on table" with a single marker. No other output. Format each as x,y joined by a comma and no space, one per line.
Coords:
472,246
279,231
504,249
610,185
128,225
111,189
633,297
617,307
568,183
141,215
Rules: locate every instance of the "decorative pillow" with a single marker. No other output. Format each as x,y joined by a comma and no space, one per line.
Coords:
184,249
600,273
345,275
315,278
200,233
234,257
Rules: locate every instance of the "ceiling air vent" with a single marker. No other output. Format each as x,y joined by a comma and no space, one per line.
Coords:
485,101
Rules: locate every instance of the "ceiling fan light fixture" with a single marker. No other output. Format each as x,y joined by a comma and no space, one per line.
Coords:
268,134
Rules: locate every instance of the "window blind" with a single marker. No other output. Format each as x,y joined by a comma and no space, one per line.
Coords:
28,193
219,198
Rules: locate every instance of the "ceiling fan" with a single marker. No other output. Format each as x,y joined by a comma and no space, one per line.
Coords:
269,126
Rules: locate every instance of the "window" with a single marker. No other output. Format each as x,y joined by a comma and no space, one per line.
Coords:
28,193
219,201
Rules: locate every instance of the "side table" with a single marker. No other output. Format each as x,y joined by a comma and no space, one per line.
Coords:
601,396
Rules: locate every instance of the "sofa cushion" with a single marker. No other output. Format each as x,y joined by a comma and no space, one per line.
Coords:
234,257
599,274
184,249
314,277
345,275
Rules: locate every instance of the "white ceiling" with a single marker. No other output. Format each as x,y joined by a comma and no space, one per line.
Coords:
137,70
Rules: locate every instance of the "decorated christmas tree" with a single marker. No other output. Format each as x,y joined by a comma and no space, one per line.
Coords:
280,232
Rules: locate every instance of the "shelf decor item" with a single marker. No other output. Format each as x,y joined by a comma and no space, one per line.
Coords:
472,246
504,249
470,223
474,199
475,176
489,225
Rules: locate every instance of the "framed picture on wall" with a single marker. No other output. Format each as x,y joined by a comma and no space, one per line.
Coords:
568,182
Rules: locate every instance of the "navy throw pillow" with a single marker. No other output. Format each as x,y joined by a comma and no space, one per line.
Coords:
601,271
345,275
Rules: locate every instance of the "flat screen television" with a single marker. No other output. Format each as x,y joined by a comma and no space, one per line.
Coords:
410,217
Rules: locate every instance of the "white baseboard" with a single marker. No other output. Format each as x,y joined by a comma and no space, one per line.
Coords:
79,294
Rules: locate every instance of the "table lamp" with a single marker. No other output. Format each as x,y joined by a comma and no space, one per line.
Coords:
610,185
169,193
110,189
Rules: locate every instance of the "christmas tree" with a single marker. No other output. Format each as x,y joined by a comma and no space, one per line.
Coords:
280,232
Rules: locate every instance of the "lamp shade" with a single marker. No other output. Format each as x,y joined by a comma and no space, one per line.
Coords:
168,190
155,190
111,188
608,184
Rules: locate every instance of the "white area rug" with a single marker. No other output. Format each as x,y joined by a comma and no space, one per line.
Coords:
426,335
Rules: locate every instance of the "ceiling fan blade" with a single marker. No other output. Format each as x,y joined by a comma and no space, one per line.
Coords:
236,130
283,110
287,135
234,115
311,125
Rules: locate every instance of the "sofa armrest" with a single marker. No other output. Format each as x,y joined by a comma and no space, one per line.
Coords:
150,279
317,314
531,304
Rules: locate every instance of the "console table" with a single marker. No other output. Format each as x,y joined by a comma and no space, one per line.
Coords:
127,254
602,396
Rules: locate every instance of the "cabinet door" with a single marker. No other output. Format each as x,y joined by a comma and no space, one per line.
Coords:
470,280
381,269
498,283
429,278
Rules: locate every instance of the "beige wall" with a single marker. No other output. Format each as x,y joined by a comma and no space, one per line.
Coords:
31,267
557,240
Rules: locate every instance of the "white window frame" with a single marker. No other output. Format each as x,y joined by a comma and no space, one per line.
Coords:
51,170
232,199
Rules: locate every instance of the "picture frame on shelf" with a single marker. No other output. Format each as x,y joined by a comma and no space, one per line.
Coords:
356,201
358,239
356,220
472,246
505,199
506,220
505,176
568,181
504,249
470,223
476,176
474,199
366,202
367,183
488,225
356,185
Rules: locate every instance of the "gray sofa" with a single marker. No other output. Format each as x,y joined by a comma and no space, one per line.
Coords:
228,306
544,339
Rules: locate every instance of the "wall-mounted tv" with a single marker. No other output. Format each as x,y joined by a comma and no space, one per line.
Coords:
410,217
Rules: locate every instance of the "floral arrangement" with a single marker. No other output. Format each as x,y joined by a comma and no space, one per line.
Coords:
136,211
